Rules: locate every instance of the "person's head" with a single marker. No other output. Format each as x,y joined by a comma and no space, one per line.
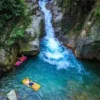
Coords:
26,78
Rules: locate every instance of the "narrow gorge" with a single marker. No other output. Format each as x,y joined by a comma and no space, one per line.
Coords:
61,40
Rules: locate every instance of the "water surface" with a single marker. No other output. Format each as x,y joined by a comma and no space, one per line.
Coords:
60,74
63,84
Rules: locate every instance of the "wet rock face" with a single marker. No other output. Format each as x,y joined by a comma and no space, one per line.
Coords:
57,16
89,46
74,10
30,46
78,29
7,59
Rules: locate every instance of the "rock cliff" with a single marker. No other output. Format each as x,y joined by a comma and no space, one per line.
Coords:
76,24
30,46
22,37
80,27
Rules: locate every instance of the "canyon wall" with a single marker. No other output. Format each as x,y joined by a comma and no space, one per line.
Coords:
20,37
80,27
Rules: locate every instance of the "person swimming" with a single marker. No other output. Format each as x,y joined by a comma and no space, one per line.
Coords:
29,82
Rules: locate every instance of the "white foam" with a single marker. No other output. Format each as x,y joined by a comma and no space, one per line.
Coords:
54,52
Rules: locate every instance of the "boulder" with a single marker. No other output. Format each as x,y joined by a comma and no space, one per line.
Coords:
89,46
3,57
7,59
12,95
30,46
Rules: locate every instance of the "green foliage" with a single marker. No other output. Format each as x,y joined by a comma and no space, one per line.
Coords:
14,19
10,9
97,13
18,32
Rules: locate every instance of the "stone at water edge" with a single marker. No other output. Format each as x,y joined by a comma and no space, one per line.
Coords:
12,95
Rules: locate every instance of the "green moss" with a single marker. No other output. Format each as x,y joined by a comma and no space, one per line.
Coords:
10,9
97,13
18,32
14,19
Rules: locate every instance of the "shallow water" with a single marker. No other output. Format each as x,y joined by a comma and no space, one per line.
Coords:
64,84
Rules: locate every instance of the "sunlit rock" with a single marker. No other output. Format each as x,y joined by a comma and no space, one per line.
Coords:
31,46
12,95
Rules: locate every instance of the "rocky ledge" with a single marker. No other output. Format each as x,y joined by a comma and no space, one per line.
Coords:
29,44
77,26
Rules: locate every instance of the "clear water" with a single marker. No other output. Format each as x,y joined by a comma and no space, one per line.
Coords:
60,74
63,84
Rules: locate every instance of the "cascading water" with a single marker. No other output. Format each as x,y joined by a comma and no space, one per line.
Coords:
54,52
55,84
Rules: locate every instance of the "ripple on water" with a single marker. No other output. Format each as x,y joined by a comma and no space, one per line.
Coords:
55,84
70,82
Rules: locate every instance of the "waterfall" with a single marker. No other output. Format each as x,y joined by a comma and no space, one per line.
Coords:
53,51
